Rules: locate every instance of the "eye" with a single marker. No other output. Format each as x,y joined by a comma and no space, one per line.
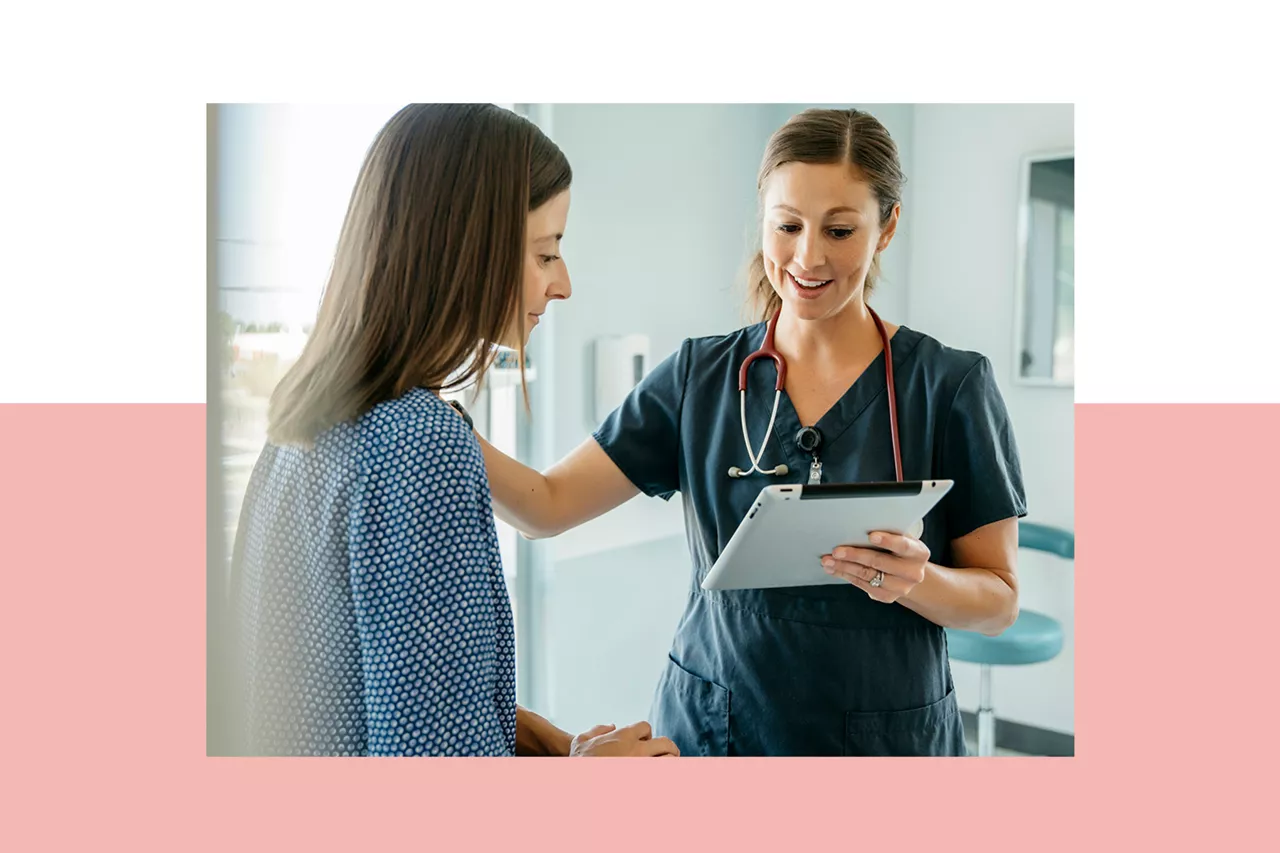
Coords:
841,233
789,228
548,259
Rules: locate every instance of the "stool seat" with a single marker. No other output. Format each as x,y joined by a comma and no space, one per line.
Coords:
1034,638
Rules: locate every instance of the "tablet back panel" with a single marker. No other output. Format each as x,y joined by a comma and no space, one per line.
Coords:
789,529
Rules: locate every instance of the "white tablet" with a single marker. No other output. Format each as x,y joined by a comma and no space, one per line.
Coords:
788,529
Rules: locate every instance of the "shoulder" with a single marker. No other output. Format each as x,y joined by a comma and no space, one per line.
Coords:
699,358
711,346
946,368
413,434
939,358
955,381
709,356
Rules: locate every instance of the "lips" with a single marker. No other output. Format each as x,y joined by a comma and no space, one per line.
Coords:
808,288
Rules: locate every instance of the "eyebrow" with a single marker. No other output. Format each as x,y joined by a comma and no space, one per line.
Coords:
549,237
830,212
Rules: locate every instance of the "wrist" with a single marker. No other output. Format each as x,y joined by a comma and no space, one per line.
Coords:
560,742
553,741
539,736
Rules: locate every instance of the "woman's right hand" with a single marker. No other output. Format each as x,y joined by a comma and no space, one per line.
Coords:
612,742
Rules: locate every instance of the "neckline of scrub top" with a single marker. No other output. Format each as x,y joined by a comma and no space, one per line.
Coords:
866,390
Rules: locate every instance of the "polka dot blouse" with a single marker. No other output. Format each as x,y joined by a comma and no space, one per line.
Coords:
372,613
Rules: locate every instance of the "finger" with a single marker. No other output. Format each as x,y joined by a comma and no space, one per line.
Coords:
890,589
642,730
848,571
879,594
861,556
662,746
891,564
844,569
902,546
908,572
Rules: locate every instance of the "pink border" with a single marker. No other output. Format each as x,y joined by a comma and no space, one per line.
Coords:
102,527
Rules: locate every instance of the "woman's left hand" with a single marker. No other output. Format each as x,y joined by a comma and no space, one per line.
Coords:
903,566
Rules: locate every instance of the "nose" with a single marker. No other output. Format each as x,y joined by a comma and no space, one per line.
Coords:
560,287
809,250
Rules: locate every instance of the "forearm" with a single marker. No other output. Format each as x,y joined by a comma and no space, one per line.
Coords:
969,599
537,736
580,487
522,496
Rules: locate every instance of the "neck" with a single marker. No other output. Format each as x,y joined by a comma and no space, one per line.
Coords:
832,340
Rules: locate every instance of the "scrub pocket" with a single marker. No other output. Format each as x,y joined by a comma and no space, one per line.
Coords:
932,730
691,711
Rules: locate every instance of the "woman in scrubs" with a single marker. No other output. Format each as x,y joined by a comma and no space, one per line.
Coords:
849,669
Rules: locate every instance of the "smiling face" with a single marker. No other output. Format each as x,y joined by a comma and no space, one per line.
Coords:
546,277
821,233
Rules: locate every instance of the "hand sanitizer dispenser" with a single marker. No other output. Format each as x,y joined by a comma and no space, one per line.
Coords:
620,363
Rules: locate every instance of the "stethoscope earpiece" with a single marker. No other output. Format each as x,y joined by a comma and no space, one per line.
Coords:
781,471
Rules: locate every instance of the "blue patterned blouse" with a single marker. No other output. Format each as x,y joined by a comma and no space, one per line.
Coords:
373,616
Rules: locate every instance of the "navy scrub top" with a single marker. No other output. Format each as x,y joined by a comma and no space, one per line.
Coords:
821,670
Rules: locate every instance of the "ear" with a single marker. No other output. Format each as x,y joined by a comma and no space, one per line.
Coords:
886,235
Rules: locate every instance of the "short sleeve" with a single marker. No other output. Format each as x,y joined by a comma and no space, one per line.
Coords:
980,454
421,580
642,436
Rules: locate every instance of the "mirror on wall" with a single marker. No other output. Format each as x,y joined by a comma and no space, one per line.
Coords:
1045,319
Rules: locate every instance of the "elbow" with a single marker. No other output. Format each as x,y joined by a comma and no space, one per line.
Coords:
1004,620
1004,624
544,532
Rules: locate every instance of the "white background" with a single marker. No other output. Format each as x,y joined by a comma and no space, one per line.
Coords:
102,170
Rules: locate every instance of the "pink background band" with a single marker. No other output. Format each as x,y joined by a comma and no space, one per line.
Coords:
102,542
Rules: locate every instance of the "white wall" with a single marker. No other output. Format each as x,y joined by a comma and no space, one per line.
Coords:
963,209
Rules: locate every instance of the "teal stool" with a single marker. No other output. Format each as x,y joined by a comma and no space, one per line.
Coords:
1033,638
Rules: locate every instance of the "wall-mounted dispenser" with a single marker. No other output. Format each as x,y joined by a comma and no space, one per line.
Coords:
620,363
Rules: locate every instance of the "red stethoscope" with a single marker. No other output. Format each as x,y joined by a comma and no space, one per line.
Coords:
808,439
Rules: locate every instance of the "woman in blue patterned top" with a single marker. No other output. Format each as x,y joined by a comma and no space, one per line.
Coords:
372,613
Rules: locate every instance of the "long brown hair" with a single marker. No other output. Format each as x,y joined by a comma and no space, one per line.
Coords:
428,272
825,136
